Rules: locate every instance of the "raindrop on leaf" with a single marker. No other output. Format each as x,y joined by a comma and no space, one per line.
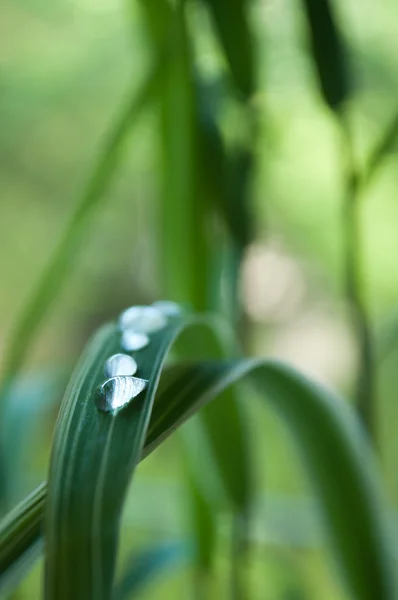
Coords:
120,365
116,392
134,340
144,319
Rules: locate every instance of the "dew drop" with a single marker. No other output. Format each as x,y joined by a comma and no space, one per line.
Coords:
143,319
134,340
120,365
115,393
167,307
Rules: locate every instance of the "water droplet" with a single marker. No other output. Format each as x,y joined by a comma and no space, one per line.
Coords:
134,340
169,308
117,392
143,319
119,365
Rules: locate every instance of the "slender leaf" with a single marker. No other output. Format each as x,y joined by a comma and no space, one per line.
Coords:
94,454
183,210
333,448
328,51
232,24
20,538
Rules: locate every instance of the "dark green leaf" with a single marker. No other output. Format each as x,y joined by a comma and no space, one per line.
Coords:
93,457
333,448
328,436
232,24
328,51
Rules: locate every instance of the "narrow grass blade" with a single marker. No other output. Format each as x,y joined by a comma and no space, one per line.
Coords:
232,24
20,538
94,455
183,237
143,568
328,51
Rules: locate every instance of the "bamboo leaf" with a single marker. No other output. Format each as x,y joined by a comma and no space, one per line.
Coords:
94,455
328,436
334,450
231,21
328,51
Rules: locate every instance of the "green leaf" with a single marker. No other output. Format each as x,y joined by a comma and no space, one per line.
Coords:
83,511
334,450
328,51
225,179
144,567
183,211
93,457
231,22
20,539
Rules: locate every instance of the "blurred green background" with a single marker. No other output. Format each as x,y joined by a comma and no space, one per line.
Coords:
66,68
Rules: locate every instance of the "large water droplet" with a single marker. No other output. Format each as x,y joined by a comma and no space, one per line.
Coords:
144,319
134,340
117,392
167,307
119,365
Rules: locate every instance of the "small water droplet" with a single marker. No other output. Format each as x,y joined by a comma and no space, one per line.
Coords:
119,365
134,340
143,319
169,308
117,392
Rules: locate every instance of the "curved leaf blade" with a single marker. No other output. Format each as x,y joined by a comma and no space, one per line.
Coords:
331,442
334,450
94,455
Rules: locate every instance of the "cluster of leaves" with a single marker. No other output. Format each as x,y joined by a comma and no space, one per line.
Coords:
94,456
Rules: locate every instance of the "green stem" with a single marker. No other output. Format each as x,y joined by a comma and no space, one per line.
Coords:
355,293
